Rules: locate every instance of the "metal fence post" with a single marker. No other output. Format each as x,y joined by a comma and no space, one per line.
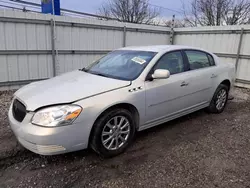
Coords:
124,36
239,48
172,31
53,50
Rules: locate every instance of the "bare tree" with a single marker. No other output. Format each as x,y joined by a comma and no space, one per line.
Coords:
238,13
217,12
134,11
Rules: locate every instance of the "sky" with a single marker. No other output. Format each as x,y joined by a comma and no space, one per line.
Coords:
91,6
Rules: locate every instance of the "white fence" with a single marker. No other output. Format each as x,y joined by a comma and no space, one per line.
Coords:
230,43
31,48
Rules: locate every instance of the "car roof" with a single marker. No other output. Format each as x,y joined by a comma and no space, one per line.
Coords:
160,48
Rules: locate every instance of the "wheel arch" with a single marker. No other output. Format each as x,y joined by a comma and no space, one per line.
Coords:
131,108
227,83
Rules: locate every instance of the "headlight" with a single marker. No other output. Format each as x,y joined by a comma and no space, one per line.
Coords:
56,116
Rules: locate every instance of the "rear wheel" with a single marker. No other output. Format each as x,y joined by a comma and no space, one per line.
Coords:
113,132
220,98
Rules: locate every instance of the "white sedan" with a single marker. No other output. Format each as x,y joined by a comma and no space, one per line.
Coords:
130,89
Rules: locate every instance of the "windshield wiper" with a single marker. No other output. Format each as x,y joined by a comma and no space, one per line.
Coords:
95,73
83,69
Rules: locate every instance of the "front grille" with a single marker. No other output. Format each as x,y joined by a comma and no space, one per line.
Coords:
18,110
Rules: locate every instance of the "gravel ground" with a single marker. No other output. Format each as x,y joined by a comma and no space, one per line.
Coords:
198,150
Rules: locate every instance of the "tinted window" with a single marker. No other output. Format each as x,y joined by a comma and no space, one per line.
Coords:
172,61
121,64
211,60
197,59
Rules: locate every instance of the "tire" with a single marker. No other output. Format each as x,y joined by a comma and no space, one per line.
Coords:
104,126
214,107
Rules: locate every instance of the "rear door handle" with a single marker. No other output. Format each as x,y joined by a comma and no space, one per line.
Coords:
213,76
183,84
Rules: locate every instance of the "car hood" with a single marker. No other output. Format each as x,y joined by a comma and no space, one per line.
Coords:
66,88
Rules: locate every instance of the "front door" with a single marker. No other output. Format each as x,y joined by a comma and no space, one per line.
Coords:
165,97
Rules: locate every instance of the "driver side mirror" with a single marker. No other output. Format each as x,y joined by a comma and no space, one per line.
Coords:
161,74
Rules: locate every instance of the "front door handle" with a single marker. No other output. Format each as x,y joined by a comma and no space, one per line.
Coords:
213,76
183,84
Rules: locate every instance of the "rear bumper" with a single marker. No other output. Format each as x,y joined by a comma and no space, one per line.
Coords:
49,141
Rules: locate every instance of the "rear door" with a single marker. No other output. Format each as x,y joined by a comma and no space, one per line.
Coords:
200,77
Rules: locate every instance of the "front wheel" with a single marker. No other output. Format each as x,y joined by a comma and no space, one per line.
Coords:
113,132
219,100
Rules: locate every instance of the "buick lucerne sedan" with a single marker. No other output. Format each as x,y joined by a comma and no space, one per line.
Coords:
102,106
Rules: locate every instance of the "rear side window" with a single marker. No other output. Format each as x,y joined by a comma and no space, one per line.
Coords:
211,60
197,59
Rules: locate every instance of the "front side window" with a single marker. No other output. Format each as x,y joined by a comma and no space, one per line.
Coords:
197,59
122,64
172,61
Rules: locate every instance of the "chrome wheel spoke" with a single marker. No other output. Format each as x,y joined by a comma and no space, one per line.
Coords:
124,132
111,143
122,139
108,139
217,106
115,121
109,126
124,126
121,122
116,143
106,133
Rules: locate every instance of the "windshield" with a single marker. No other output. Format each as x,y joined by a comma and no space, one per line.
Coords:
121,64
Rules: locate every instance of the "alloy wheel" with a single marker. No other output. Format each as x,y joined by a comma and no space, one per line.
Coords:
221,99
115,133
